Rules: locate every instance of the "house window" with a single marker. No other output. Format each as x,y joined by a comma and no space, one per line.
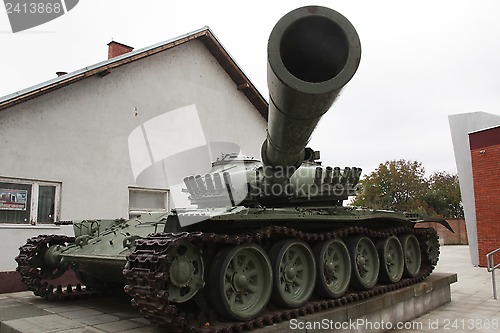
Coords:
143,200
28,201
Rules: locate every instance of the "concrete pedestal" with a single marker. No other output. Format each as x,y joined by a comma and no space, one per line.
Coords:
383,313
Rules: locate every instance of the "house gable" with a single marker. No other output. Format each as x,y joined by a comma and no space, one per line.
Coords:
80,134
104,68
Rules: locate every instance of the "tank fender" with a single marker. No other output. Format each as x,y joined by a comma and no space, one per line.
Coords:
441,221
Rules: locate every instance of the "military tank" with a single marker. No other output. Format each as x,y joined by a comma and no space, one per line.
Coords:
261,241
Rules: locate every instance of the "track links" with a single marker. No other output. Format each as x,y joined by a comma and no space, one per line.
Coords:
38,278
147,273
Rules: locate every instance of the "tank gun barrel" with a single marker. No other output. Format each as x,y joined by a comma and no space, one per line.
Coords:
312,53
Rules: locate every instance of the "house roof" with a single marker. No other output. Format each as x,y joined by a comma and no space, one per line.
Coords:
205,35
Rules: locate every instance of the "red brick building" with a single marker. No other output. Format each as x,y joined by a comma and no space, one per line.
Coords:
485,156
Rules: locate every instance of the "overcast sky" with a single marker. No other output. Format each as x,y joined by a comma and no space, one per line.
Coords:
421,61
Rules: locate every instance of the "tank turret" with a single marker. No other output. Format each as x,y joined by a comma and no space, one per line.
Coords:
313,52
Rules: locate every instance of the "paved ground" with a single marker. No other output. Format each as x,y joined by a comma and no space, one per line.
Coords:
22,312
472,308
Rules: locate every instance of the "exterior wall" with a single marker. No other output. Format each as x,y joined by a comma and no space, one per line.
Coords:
486,173
460,126
13,236
79,134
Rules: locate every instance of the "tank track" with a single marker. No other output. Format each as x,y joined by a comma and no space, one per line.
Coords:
37,278
146,274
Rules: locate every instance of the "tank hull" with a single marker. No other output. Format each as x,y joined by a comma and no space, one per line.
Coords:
309,228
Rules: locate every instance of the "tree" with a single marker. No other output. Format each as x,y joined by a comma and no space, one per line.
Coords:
395,185
401,185
443,196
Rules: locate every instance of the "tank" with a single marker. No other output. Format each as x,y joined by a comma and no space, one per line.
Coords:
260,241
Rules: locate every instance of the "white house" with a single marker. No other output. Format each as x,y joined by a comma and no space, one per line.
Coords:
113,138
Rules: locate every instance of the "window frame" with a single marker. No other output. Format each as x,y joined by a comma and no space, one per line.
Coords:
35,186
136,211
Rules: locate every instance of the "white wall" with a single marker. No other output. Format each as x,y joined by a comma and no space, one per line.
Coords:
79,134
14,236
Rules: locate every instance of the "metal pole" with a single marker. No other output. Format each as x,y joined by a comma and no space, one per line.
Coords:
494,284
490,263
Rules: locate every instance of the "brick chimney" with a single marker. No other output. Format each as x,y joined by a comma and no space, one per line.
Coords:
115,49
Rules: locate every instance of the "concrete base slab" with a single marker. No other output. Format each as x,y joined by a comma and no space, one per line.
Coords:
24,313
378,314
